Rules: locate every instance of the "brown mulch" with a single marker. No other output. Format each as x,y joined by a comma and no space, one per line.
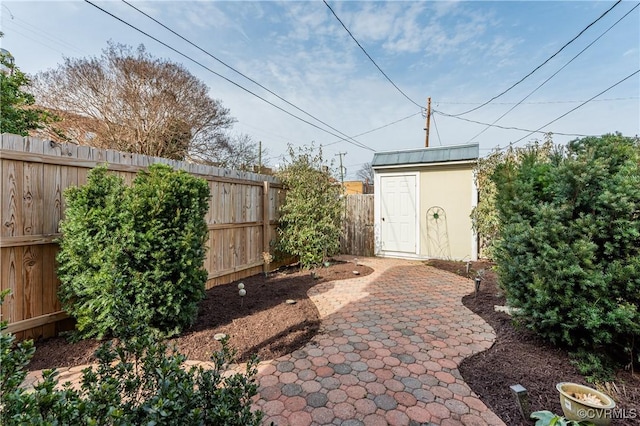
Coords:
261,322
520,357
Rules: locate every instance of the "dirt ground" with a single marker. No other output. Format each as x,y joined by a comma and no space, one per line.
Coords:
265,324
519,357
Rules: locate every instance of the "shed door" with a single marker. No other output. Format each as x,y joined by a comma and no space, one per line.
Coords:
398,216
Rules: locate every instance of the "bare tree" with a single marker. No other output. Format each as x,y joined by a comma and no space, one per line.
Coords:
128,100
237,152
365,173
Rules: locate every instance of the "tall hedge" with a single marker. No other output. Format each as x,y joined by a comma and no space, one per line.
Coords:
141,245
569,249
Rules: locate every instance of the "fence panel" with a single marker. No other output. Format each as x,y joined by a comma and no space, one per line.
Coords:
358,238
242,221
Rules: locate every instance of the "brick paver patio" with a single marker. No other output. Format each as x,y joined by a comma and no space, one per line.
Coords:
387,354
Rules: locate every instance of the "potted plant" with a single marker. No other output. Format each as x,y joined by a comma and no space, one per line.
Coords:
584,403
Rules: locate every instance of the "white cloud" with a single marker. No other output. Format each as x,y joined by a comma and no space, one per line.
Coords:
307,20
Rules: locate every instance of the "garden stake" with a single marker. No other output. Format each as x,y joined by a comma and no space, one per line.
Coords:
478,279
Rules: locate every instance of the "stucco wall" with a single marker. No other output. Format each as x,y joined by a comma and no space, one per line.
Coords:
450,188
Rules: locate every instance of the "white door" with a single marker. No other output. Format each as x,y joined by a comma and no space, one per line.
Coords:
398,213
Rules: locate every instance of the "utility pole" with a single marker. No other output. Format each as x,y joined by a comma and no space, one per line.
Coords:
341,154
259,156
426,141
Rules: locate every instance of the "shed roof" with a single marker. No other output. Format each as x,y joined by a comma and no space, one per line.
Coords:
438,154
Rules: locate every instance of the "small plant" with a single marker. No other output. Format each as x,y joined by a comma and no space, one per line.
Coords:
267,258
13,360
594,367
547,418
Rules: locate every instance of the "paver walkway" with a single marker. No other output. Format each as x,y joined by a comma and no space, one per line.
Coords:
387,354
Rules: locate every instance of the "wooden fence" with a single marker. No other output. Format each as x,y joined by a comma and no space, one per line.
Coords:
358,238
242,219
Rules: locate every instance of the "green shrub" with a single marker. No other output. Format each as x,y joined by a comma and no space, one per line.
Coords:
168,209
569,249
137,381
311,216
143,244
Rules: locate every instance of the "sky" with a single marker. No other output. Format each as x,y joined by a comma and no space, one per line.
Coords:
460,54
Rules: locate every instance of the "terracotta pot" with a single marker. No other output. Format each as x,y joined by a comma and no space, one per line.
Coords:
575,409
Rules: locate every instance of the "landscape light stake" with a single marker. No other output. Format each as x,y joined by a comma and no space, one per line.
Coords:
522,399
478,280
242,292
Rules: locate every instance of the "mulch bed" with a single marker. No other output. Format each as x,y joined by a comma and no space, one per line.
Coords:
520,357
261,322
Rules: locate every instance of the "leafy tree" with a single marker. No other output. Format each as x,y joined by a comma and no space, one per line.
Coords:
128,100
141,245
18,114
569,249
310,221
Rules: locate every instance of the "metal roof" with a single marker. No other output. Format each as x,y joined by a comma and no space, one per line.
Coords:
440,154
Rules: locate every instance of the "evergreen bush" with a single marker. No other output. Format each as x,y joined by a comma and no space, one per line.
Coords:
569,249
142,244
484,216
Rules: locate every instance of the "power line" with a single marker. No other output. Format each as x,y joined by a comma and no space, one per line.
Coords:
378,128
369,56
579,106
540,102
503,127
437,131
542,64
220,75
557,72
42,33
45,36
357,143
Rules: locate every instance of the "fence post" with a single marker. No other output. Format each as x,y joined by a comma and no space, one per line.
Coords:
265,222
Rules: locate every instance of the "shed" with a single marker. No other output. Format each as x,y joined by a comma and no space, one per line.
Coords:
423,199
